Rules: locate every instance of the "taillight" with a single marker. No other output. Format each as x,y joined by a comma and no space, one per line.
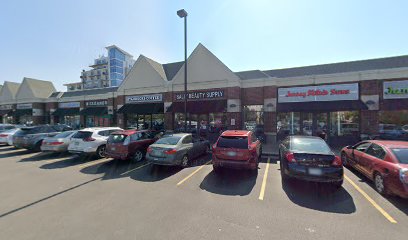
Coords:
149,150
337,162
290,157
170,152
55,143
89,139
403,172
214,147
3,135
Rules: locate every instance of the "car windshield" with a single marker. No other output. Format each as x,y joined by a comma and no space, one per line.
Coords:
168,140
240,142
401,154
309,145
63,134
11,130
82,134
117,138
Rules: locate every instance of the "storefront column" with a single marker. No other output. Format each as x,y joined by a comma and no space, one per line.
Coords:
121,120
38,120
369,122
234,121
169,121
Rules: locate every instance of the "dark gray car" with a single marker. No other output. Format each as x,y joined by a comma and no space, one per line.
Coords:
32,137
176,149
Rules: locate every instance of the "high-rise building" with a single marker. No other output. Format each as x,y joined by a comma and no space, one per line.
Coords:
105,71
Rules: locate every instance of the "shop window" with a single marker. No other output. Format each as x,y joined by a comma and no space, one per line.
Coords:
393,120
148,121
72,121
344,123
288,123
253,116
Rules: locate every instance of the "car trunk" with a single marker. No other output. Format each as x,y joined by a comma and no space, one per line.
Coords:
312,159
158,150
232,148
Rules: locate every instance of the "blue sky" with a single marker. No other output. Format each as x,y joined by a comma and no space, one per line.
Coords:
55,40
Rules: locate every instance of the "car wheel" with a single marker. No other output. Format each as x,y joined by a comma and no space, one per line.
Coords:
184,161
344,159
379,183
100,152
283,175
37,147
216,169
338,185
138,156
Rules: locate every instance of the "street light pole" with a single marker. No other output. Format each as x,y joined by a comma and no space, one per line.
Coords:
183,14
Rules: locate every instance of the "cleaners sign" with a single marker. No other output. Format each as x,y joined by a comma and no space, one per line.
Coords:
395,89
338,92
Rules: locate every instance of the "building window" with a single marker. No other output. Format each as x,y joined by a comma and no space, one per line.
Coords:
344,123
393,121
288,123
253,116
146,121
73,121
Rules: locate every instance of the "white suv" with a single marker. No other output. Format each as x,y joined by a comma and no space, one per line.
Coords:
91,141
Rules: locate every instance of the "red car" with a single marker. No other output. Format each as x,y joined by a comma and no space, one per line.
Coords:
384,162
236,149
130,144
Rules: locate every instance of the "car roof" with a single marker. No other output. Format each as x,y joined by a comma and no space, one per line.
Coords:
305,137
99,128
130,131
391,144
236,133
177,135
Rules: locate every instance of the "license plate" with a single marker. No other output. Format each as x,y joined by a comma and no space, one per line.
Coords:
155,159
315,171
113,148
231,154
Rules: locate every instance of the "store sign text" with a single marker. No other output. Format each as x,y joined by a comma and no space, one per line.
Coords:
6,107
24,106
319,93
395,89
201,95
145,98
97,103
69,105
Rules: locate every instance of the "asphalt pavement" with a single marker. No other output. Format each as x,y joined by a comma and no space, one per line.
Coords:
62,196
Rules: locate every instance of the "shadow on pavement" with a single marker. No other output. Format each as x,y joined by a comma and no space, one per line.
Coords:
4,148
14,152
318,196
400,203
230,182
201,160
44,156
154,173
70,161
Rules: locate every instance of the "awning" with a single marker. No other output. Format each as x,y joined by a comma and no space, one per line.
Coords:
66,111
94,111
199,107
6,112
147,108
329,106
22,112
394,104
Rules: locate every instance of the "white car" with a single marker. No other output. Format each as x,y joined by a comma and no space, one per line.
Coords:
6,137
91,141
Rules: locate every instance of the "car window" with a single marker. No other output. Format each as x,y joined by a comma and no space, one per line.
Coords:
253,138
135,137
312,145
117,138
187,139
240,142
63,134
82,134
401,154
376,151
362,147
168,140
144,136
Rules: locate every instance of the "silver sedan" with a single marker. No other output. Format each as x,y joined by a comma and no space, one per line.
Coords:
58,143
176,149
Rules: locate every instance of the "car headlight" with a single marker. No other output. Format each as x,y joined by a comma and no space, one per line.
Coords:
403,173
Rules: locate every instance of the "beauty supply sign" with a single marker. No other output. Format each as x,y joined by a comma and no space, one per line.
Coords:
24,106
323,93
145,98
395,89
200,95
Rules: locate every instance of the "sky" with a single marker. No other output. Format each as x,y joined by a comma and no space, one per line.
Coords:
55,40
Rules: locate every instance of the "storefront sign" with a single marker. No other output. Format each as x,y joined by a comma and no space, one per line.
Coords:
6,107
395,89
69,105
101,103
201,95
145,98
338,92
24,106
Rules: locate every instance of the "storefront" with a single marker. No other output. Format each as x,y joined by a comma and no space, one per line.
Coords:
143,111
68,113
24,113
332,111
6,114
206,110
96,114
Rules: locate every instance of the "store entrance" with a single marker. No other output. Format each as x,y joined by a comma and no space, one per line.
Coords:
314,124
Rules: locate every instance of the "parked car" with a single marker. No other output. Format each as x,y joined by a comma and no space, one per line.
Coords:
6,127
6,137
176,149
391,132
309,158
58,143
130,144
384,162
260,133
31,137
91,141
237,149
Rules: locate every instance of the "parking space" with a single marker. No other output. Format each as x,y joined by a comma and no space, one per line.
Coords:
64,196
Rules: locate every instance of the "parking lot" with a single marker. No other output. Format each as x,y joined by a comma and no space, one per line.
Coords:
61,196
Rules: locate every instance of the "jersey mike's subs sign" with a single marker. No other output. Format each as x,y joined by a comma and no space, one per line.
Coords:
339,92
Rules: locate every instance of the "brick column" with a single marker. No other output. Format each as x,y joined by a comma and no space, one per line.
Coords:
121,120
234,116
369,121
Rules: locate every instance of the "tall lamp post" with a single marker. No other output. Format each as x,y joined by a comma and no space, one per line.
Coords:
183,14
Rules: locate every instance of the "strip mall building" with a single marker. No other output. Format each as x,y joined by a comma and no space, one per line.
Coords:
345,100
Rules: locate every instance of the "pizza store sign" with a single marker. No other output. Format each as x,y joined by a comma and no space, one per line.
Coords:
395,89
200,95
145,98
339,92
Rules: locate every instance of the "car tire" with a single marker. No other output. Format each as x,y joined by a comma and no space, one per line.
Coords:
100,152
379,184
338,185
216,169
344,159
282,172
138,156
184,161
37,146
